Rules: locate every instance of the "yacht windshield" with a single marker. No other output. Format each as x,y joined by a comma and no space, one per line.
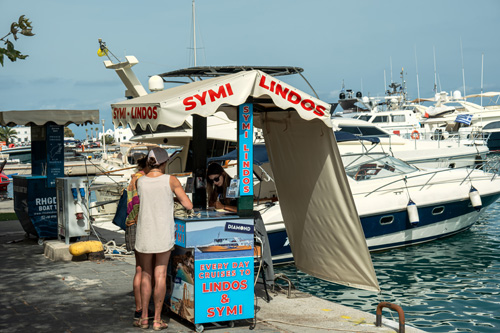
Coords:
363,130
364,117
374,166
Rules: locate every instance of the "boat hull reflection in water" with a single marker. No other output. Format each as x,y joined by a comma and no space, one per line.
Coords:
446,286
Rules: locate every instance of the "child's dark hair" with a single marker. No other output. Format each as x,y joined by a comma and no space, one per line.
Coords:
142,162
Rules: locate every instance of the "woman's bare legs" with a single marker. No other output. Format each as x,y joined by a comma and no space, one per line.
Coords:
146,261
136,284
160,288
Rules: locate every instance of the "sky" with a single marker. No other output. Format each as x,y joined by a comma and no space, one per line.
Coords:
354,42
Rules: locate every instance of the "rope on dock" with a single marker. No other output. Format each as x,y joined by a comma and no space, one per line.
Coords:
110,248
310,326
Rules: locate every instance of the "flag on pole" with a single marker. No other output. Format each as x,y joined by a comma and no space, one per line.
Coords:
102,52
464,119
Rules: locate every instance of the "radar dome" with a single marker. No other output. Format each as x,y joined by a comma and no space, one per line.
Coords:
155,83
365,99
457,94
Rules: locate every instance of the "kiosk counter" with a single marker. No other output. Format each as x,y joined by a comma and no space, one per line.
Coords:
211,271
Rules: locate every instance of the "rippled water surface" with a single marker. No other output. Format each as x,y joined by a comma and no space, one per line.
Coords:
448,285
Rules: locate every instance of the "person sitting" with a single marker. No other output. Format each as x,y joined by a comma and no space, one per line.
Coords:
217,183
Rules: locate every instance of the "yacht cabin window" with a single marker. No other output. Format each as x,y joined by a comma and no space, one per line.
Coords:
365,117
381,119
398,118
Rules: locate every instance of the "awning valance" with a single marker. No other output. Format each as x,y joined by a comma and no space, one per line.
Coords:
41,117
171,107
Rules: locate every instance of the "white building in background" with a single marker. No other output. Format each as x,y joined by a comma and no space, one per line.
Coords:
23,135
109,132
122,134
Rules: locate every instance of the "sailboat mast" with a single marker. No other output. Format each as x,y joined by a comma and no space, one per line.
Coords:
385,82
194,33
416,68
482,67
463,70
435,71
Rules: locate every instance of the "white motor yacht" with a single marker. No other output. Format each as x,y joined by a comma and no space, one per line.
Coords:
420,152
400,205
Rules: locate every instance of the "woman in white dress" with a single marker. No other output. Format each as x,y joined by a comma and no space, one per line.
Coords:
155,237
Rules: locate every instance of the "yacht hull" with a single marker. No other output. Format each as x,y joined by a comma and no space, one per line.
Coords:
457,216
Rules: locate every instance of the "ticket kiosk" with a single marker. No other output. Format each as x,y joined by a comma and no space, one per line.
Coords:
307,169
211,271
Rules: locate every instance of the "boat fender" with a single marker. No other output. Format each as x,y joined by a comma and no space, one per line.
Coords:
412,210
475,198
79,248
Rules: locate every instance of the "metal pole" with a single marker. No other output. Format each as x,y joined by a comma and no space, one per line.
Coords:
104,152
194,33
416,67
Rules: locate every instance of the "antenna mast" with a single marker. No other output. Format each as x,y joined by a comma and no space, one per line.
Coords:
390,60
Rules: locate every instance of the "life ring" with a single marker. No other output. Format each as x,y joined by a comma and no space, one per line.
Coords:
415,135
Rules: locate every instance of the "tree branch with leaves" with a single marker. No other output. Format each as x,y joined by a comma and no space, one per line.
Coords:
23,27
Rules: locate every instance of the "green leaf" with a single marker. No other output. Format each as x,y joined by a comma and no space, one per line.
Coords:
14,30
10,46
27,32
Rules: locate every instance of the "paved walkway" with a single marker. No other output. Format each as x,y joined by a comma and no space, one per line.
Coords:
41,295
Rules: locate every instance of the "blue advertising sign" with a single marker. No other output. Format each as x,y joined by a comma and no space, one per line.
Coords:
180,233
35,205
224,289
55,153
245,149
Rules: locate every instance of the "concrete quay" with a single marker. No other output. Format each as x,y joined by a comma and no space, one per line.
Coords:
44,295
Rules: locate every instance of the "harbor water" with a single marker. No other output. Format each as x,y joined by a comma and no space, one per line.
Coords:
447,285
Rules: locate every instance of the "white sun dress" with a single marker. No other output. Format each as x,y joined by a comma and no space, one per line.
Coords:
155,222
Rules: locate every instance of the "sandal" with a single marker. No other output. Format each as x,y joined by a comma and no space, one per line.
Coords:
163,325
142,321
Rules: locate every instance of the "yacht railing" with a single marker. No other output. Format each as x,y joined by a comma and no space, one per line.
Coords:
474,138
490,166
